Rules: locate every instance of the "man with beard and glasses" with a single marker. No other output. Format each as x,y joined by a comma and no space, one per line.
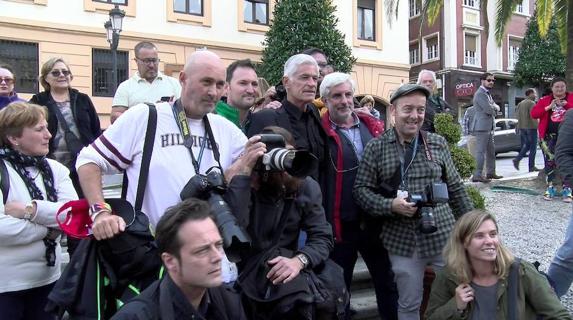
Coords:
148,84
278,278
242,88
405,161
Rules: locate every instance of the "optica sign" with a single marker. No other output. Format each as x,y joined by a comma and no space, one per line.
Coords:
465,89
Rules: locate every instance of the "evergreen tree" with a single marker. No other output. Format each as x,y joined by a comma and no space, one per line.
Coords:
298,25
540,59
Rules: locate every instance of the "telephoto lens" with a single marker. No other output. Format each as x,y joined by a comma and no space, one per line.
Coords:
427,221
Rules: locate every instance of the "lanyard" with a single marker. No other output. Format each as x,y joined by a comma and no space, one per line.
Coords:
401,153
183,125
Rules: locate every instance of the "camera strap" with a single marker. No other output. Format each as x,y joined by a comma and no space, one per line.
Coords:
403,156
181,119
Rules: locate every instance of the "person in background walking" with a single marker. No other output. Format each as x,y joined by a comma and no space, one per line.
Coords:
550,110
527,128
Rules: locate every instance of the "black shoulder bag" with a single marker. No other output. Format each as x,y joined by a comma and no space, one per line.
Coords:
4,181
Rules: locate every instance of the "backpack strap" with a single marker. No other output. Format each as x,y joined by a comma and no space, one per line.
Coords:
145,160
4,180
513,283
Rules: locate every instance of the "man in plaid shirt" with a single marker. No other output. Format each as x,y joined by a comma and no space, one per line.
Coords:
402,162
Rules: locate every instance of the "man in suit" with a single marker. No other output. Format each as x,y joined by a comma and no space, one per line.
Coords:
483,128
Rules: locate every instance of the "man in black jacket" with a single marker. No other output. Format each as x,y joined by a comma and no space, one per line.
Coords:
298,115
191,249
561,268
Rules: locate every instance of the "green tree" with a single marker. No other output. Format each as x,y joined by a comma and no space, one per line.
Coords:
540,59
301,24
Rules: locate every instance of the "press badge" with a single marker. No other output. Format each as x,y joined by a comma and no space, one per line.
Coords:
403,194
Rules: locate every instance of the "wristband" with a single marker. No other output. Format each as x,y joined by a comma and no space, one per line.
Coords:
97,208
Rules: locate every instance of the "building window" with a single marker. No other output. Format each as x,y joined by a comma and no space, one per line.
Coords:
471,50
414,54
472,3
522,7
22,58
102,66
366,16
414,8
431,48
256,11
513,53
120,2
194,7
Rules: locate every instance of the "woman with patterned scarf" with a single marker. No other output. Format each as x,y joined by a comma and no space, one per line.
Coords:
30,253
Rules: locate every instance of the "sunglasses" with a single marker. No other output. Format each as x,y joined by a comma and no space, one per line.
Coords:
57,73
490,80
8,81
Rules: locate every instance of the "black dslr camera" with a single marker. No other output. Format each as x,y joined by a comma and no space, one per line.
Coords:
297,163
436,192
211,187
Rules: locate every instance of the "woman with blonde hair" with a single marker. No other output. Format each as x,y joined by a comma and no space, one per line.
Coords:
72,117
29,235
474,283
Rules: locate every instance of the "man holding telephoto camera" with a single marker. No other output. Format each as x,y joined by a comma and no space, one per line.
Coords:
189,141
408,178
274,199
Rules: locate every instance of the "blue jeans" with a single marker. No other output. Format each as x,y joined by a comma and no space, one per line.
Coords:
561,268
528,143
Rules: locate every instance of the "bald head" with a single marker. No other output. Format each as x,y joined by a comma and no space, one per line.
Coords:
202,83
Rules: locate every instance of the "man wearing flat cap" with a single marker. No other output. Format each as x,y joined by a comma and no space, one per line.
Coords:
393,183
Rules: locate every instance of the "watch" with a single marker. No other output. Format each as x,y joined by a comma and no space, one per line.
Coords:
29,211
303,259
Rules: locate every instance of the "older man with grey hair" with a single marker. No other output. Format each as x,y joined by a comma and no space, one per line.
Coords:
434,104
348,133
297,115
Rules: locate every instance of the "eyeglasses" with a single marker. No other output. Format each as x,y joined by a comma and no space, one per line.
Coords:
57,73
8,81
149,60
490,80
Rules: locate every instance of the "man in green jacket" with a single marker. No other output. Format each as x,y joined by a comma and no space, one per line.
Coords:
527,128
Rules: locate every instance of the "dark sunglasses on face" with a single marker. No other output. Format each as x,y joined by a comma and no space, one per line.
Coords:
57,73
7,80
490,80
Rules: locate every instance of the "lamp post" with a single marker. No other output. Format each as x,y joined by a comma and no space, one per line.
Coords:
113,28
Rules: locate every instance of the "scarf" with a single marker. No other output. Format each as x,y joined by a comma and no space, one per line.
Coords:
20,161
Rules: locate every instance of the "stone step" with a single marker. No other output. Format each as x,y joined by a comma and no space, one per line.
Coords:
363,297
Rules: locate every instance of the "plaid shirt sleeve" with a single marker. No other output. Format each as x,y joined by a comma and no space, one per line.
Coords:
367,182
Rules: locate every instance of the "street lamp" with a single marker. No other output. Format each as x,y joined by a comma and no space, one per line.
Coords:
113,28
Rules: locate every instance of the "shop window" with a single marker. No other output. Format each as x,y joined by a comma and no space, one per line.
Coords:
22,58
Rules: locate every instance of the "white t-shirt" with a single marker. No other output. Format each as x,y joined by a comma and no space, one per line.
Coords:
136,90
22,262
121,147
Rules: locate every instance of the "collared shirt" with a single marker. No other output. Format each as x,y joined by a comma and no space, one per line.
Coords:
381,165
136,90
352,134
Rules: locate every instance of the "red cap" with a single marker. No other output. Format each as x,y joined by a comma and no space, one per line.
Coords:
75,220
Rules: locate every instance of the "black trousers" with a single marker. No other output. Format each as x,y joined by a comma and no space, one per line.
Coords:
25,304
345,253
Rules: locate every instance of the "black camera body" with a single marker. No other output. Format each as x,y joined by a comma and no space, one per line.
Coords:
211,187
297,163
435,193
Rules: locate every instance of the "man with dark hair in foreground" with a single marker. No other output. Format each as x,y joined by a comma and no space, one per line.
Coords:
191,249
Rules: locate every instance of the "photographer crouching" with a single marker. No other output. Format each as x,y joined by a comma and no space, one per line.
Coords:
273,199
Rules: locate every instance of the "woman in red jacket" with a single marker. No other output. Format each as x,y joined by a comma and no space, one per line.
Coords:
550,110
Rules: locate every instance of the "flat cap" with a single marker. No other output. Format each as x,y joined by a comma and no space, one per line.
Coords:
408,88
